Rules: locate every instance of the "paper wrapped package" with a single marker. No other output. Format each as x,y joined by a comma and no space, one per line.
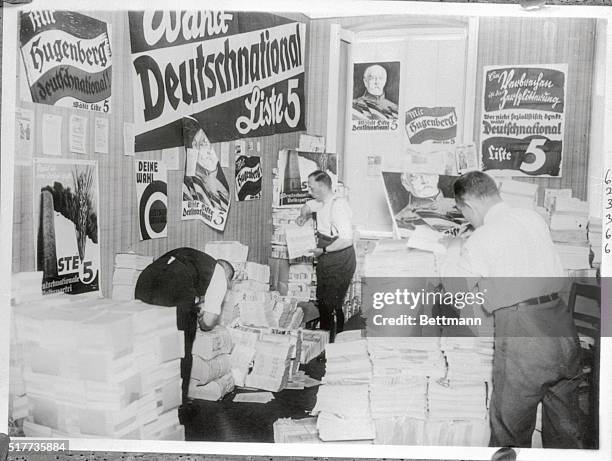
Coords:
215,390
209,344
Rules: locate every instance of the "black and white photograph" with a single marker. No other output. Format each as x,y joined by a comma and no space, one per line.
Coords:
218,240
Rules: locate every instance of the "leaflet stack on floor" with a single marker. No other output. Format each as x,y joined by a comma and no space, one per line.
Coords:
128,267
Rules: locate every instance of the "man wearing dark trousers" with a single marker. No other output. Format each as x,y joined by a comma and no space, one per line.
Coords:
512,259
196,284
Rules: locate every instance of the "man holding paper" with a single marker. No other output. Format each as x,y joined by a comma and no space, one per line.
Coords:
195,283
335,253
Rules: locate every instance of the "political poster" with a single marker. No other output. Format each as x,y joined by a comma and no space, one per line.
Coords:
67,59
293,169
238,74
375,96
152,196
248,178
436,125
205,190
66,210
523,119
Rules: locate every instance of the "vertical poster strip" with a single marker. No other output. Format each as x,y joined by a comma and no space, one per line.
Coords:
523,120
205,190
248,178
152,198
66,201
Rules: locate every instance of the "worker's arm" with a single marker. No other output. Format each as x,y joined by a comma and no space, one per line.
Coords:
305,214
210,304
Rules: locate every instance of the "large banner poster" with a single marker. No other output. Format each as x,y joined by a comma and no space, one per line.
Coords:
375,96
294,167
67,59
152,196
238,74
205,190
66,225
523,119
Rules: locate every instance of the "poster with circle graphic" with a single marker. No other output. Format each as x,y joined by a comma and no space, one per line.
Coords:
66,225
152,196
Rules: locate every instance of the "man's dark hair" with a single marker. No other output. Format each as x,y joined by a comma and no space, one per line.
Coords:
227,266
321,176
475,183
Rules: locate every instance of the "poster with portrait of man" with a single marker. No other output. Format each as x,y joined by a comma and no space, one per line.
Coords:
375,96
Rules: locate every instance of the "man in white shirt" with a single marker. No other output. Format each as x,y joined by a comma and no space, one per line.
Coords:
511,257
336,261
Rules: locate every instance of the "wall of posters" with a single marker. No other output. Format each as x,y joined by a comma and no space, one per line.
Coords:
152,198
205,190
66,225
523,119
431,124
293,170
238,74
375,96
67,59
248,178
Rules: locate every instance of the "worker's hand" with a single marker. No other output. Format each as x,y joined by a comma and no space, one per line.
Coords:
300,220
316,252
206,320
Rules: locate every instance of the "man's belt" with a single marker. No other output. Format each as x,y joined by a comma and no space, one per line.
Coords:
539,300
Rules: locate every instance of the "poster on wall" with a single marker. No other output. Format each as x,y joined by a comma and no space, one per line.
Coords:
152,198
66,202
293,169
523,120
238,74
248,178
78,134
67,59
205,190
24,141
436,125
375,96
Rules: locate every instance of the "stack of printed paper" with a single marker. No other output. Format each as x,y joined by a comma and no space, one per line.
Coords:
344,412
98,368
398,396
568,221
594,234
211,376
401,430
347,363
391,258
469,359
287,430
573,256
26,287
458,433
300,284
519,194
271,365
457,401
128,267
287,313
231,251
415,357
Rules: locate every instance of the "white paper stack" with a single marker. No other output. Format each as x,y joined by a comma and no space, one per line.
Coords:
573,256
347,363
519,194
594,235
391,258
271,365
568,220
300,281
401,430
410,357
128,267
397,396
98,368
458,433
287,430
214,390
287,313
469,359
232,251
344,413
26,287
457,401
209,344
313,343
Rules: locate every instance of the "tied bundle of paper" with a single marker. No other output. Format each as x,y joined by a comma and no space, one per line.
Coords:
413,356
313,343
209,344
128,267
469,359
398,396
343,413
391,258
400,431
347,363
205,371
253,271
458,433
241,359
300,281
280,336
258,314
232,251
271,366
287,430
287,313
568,220
457,401
519,194
26,287
214,390
594,235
